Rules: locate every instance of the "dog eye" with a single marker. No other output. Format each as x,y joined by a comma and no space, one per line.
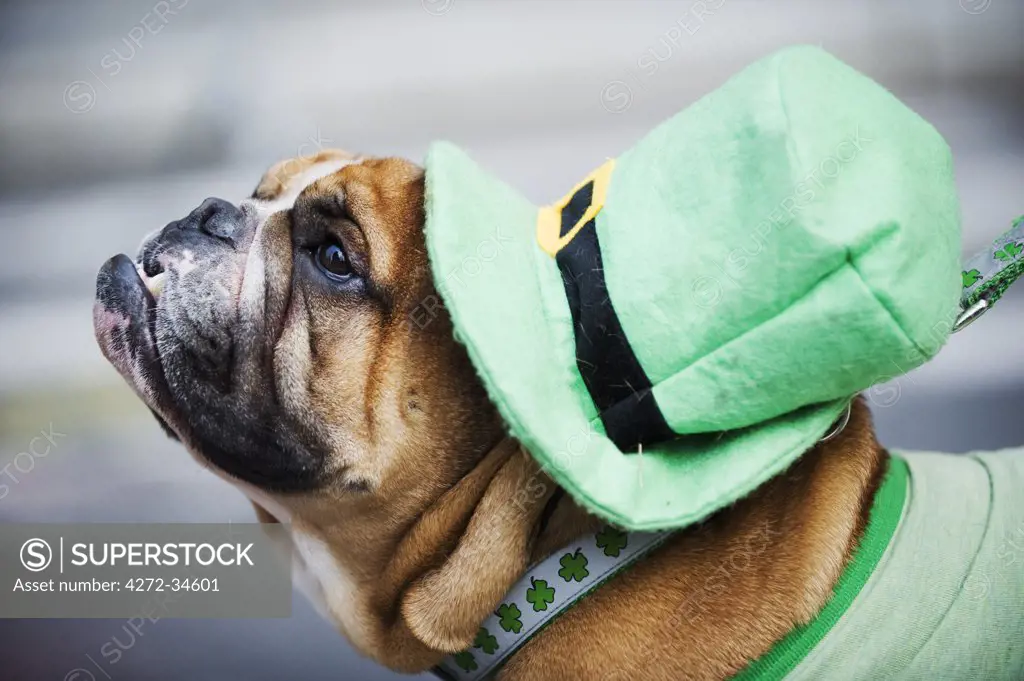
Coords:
330,258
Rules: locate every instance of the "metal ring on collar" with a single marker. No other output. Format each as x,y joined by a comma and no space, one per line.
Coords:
968,316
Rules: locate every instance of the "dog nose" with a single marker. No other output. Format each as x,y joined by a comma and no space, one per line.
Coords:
217,217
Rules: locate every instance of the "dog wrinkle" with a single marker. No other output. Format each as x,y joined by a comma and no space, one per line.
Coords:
295,185
283,174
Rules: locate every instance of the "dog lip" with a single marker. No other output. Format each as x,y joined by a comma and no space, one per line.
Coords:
120,284
124,321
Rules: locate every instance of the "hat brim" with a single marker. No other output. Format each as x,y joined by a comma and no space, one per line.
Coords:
507,303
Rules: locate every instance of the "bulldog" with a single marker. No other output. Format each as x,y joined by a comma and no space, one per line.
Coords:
284,341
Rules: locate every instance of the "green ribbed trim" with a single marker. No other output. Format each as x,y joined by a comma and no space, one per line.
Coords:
886,512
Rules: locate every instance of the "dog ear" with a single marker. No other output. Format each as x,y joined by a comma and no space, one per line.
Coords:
482,532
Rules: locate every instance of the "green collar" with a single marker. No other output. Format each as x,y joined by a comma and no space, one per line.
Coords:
886,512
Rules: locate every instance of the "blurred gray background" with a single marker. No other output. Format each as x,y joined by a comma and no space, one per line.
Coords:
115,120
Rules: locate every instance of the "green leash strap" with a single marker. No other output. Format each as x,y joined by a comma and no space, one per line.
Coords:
988,274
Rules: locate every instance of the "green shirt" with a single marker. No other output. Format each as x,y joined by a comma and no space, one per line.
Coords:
936,589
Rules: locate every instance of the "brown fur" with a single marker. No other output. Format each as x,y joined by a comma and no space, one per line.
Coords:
433,513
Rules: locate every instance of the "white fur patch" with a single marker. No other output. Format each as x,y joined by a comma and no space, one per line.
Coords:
296,184
327,585
187,263
316,572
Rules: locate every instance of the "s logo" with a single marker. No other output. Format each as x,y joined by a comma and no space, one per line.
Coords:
36,555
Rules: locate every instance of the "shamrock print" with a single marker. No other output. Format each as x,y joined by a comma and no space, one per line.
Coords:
1009,251
485,641
510,615
574,566
466,662
971,277
540,595
611,541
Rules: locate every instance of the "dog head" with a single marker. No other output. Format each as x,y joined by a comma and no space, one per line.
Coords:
276,338
296,344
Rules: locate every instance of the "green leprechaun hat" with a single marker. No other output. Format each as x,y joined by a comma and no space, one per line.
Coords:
699,311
